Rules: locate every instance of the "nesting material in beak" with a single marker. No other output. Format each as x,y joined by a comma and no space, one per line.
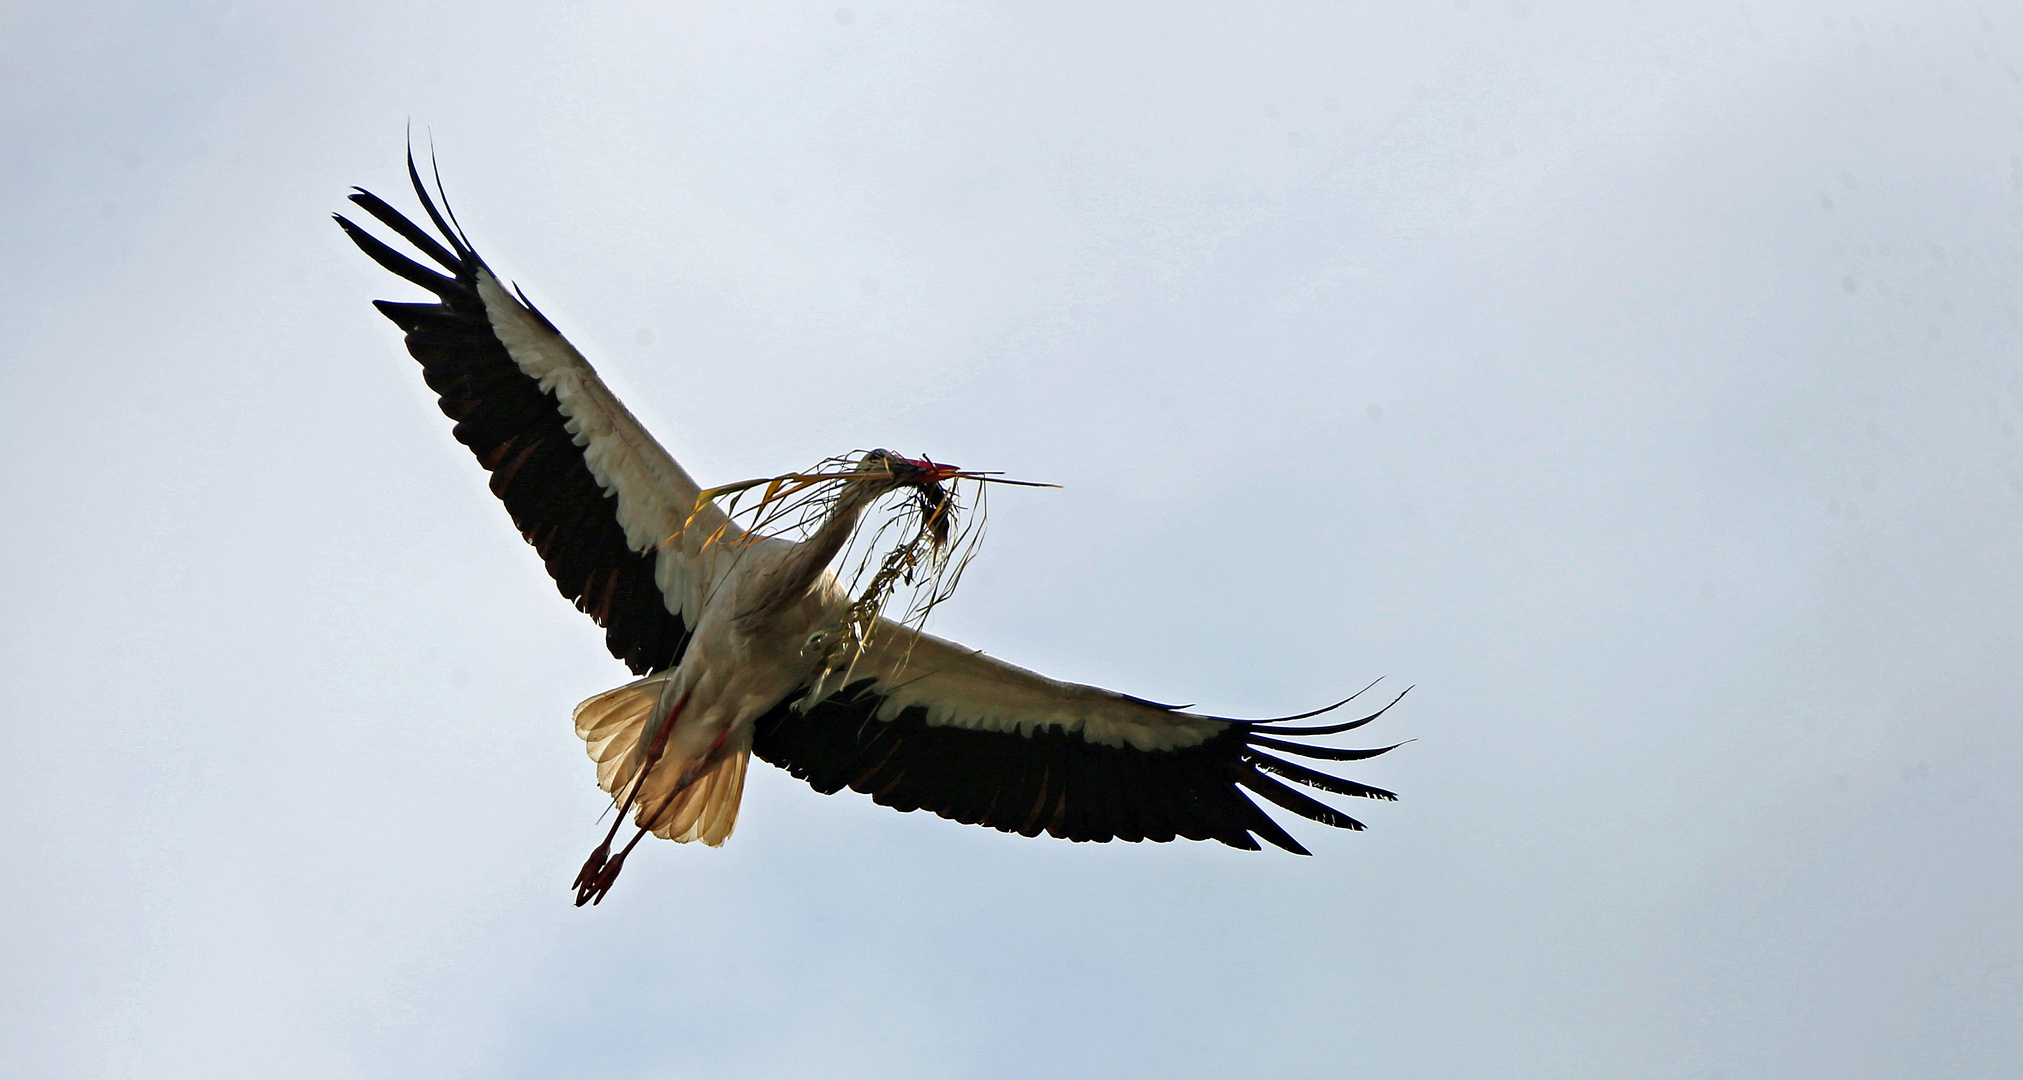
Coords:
919,547
935,503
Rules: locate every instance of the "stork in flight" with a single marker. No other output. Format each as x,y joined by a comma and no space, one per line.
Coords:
748,643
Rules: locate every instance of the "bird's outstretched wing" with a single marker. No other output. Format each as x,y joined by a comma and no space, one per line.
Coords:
613,516
928,724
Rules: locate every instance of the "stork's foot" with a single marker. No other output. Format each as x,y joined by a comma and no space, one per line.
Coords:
593,871
597,875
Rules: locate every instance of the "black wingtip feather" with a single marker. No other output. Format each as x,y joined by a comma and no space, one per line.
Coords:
394,261
1262,824
454,236
436,168
1286,798
408,230
1335,729
1316,779
409,317
1322,753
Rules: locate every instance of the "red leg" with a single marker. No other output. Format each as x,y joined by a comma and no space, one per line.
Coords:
600,870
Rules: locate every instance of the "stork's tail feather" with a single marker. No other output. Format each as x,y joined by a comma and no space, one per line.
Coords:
706,810
609,725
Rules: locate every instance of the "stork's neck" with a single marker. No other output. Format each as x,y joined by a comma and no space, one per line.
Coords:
790,579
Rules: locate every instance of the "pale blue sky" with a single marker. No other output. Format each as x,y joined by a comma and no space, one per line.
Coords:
1639,381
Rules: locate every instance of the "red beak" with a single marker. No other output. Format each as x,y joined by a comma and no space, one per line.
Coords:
935,472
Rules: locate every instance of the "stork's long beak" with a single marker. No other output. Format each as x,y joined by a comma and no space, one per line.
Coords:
933,472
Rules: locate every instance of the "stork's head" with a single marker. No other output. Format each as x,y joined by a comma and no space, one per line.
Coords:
924,477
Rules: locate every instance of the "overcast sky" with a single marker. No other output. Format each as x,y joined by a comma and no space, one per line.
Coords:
1640,381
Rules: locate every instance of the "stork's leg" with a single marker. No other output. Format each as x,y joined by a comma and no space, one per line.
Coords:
592,882
594,866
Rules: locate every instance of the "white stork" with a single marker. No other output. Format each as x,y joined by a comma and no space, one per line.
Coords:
749,644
